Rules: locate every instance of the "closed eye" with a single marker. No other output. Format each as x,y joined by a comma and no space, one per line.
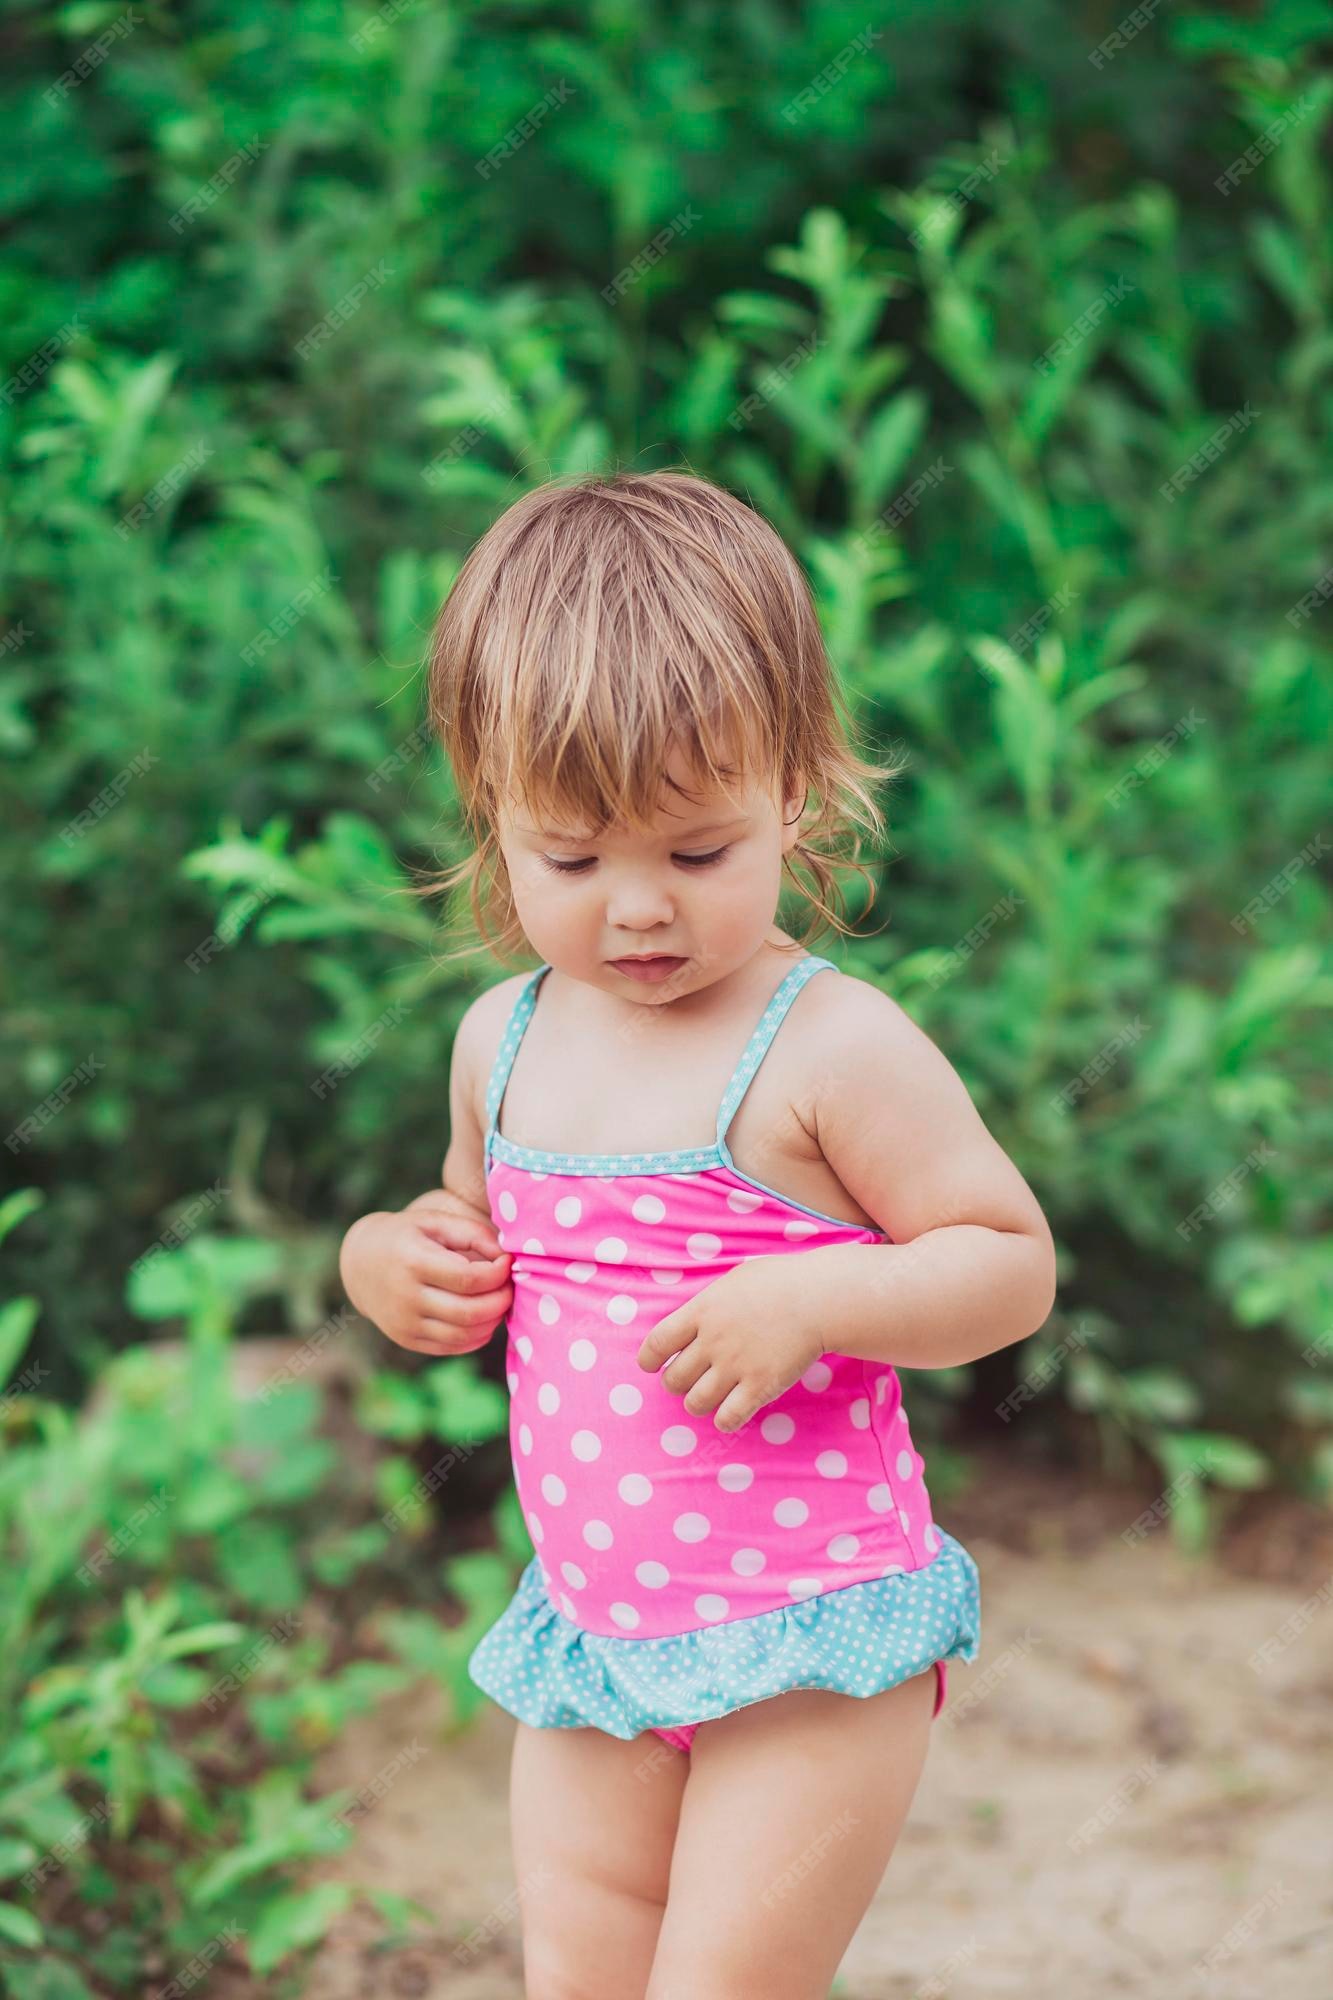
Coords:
685,860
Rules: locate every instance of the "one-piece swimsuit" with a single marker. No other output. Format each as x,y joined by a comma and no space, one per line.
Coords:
680,1572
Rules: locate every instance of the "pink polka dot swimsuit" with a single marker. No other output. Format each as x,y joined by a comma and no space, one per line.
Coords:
671,1559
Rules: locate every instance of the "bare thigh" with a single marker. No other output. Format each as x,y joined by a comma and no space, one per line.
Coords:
792,1809
593,1819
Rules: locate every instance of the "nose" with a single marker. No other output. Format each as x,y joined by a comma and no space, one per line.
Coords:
638,904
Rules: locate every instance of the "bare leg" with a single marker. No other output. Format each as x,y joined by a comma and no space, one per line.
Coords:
792,1810
593,1819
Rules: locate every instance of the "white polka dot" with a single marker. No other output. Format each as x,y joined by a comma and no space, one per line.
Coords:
804,1586
881,1388
859,1412
548,1310
906,1523
817,1376
568,1210
879,1499
553,1489
582,1355
790,1513
525,1440
735,1478
777,1429
626,1615
843,1547
678,1440
567,1607
893,1569
831,1465
524,1346
533,1246
742,1201
702,1245
634,1489
508,1206
621,1308
691,1527
648,1209
798,1228
748,1562
548,1399
625,1399
535,1528
611,1250
579,1274
931,1537
512,1380
597,1535
586,1446
574,1576
666,1277
652,1575
904,1465
711,1607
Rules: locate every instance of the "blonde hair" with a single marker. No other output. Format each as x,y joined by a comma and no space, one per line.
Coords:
595,626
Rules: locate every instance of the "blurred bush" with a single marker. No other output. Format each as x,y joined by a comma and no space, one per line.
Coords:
1017,327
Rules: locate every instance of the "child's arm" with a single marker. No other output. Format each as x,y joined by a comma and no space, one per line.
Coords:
971,1267
432,1276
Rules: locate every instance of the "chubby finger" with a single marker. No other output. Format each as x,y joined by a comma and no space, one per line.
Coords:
707,1392
684,1369
462,1309
735,1409
668,1337
454,1231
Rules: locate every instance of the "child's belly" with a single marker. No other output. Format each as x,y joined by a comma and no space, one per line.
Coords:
648,1521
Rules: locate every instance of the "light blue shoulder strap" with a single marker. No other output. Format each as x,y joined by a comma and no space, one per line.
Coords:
519,1017
758,1044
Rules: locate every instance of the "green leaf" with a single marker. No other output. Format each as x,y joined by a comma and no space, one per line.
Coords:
20,1926
290,1922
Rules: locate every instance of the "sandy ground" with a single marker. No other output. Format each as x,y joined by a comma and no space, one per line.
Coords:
1116,1801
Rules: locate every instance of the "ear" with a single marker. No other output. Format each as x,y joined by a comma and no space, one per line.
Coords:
793,812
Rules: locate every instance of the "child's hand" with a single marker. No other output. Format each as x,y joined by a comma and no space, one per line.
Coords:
739,1342
433,1277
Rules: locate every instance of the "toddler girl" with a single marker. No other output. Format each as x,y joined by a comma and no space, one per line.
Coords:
721,1191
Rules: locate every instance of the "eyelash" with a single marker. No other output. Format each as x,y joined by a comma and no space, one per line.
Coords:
685,860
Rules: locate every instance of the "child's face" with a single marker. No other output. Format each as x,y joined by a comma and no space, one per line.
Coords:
583,904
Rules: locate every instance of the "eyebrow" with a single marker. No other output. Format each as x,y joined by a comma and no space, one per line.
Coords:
584,839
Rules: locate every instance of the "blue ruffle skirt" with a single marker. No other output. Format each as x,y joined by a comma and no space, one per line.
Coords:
861,1639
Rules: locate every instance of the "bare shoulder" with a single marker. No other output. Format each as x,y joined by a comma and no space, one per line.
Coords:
478,1036
854,1025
